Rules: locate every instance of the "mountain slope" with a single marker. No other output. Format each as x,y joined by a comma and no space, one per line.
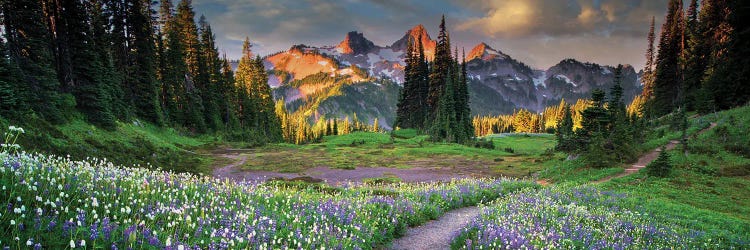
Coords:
304,76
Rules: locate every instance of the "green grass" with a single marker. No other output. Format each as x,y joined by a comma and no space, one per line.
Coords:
707,189
561,170
404,150
128,144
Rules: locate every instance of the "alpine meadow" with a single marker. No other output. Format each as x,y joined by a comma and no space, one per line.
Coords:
248,124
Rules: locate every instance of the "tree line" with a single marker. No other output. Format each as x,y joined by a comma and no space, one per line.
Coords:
121,60
608,133
435,97
701,64
524,121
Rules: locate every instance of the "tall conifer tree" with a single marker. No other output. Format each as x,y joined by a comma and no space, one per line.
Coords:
668,79
29,48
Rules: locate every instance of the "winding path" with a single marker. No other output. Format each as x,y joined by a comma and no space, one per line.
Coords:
647,158
436,234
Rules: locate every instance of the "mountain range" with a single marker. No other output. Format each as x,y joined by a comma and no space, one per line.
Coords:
358,76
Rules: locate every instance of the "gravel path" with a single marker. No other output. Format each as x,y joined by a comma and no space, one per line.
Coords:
436,234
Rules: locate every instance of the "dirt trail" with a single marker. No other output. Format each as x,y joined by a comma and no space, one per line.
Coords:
647,158
436,234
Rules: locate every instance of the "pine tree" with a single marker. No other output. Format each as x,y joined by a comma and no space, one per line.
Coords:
145,88
648,70
726,29
28,47
695,56
173,76
594,118
667,82
100,18
662,166
116,15
194,82
213,92
269,122
228,104
439,74
409,113
564,132
244,78
12,93
443,127
86,67
463,110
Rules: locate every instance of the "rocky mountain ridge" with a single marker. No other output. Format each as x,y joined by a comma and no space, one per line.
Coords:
498,82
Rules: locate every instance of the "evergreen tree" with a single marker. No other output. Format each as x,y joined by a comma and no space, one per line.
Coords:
213,92
228,107
29,49
88,82
564,132
667,82
100,25
463,111
145,88
443,127
648,70
725,24
194,82
695,56
615,103
244,78
410,108
12,93
662,166
438,76
268,122
594,119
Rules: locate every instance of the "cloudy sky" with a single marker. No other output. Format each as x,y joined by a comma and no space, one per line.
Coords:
537,32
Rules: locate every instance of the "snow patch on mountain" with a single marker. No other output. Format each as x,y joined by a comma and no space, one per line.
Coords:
566,79
539,80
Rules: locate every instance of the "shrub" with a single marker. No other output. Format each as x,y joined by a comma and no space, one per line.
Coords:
509,150
483,143
662,166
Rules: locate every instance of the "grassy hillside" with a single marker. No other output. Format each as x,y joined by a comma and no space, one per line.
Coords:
709,183
130,143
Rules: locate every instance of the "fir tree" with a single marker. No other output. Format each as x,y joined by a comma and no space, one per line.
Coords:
409,113
144,86
12,94
100,27
667,82
194,82
463,111
213,92
662,166
28,48
648,70
695,56
725,26
87,78
439,73
564,132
